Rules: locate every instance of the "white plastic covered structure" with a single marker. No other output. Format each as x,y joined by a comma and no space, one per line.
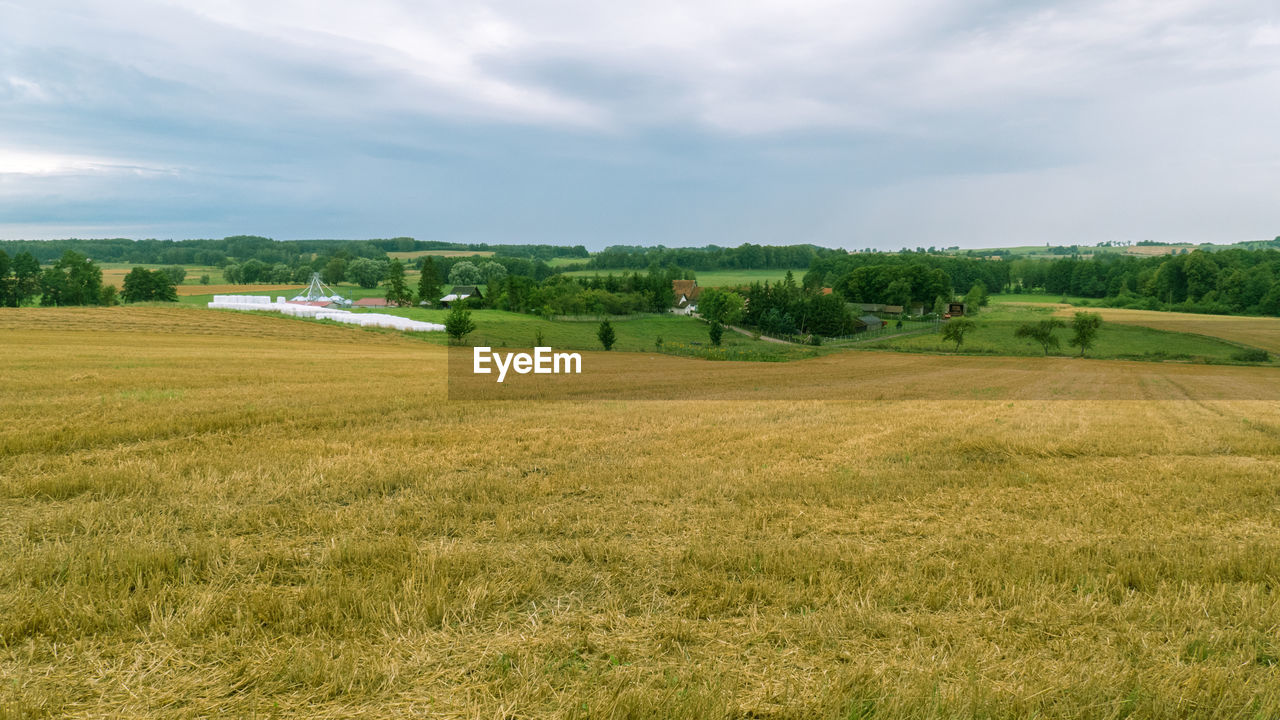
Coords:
317,291
363,319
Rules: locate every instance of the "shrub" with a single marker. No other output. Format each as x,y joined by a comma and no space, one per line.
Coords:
458,323
1252,355
606,335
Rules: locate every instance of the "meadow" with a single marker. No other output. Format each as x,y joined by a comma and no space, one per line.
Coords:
1137,339
229,514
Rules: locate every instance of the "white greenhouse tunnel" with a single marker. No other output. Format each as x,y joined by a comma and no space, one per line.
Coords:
264,303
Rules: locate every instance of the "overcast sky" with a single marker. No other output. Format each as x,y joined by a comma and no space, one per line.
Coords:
680,122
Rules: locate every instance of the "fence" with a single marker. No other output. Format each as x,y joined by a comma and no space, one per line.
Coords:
909,327
600,317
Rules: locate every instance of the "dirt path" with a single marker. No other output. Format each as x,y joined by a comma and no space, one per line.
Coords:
762,337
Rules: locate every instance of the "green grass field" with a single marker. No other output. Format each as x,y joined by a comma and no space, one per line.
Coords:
717,278
566,261
996,324
499,328
1038,298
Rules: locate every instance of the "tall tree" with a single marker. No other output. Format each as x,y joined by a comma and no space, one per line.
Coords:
1085,330
365,272
334,272
8,293
428,282
397,289
26,277
73,280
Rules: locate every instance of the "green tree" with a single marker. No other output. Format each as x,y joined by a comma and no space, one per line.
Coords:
176,273
365,272
143,285
898,292
204,279
828,315
605,333
955,330
8,294
334,272
716,333
977,297
492,272
721,306
53,287
1201,274
940,306
465,273
73,280
1041,332
1084,330
397,289
457,324
26,277
428,282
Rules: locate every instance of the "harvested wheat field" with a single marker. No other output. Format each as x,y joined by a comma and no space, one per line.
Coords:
216,514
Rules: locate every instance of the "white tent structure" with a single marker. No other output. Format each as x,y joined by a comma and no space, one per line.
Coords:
263,303
317,291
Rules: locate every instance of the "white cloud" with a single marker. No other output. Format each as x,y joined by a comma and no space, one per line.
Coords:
985,107
27,162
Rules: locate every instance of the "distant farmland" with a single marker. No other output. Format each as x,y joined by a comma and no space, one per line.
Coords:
222,514
415,254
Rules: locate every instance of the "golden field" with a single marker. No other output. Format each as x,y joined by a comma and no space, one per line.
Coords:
218,514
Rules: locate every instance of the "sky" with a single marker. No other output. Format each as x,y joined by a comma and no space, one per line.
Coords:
850,124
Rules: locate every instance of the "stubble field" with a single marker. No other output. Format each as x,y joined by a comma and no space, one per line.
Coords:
217,514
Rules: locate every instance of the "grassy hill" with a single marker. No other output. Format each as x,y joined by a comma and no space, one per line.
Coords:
994,335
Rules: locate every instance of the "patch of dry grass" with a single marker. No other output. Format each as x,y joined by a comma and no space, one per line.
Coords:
219,514
1262,332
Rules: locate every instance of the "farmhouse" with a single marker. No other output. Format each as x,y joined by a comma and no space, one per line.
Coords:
955,309
460,292
686,294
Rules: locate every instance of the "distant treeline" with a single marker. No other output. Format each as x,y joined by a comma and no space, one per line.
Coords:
242,248
904,278
535,268
1224,281
239,248
543,252
711,257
